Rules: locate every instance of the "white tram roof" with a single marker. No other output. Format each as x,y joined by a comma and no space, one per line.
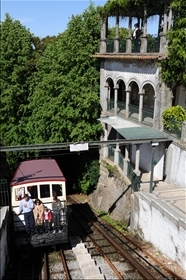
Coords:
37,170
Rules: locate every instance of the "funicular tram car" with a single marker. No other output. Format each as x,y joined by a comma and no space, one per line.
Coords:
40,179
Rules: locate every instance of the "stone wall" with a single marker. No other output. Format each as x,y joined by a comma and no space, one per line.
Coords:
112,194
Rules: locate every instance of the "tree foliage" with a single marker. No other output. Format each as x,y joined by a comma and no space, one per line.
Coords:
174,66
64,105
16,51
133,8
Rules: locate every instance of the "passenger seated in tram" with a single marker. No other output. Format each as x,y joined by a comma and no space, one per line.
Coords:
21,193
38,215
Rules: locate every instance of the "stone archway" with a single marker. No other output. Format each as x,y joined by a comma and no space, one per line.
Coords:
148,99
134,96
134,101
110,94
121,100
148,104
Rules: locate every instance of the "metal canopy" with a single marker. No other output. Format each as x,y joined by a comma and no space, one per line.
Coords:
133,131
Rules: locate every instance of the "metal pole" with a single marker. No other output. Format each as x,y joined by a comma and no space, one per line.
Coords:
152,170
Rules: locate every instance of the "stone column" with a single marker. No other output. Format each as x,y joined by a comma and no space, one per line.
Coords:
143,48
105,148
107,98
183,133
103,40
163,37
116,39
116,154
126,160
128,91
137,161
116,100
170,19
140,106
128,39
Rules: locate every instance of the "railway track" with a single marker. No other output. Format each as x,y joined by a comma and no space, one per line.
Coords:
138,259
95,250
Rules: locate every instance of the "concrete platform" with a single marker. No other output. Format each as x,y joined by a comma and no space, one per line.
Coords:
172,196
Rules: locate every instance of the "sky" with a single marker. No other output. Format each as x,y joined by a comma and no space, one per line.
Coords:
47,17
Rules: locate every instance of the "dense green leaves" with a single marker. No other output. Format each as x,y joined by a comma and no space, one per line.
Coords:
174,67
64,105
134,8
173,118
16,51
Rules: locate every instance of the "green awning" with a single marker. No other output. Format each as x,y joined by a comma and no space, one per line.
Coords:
133,131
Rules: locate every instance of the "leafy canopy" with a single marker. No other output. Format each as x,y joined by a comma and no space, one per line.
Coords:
64,105
16,50
174,66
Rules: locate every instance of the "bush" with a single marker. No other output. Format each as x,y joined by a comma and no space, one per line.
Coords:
173,118
112,169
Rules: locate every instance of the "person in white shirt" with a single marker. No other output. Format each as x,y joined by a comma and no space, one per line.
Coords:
26,207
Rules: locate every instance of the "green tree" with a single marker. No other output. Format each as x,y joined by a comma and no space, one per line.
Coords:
174,66
16,50
64,105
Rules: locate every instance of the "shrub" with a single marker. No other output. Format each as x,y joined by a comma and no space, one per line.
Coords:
113,170
173,118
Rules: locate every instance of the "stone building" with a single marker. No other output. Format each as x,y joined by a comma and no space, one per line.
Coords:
133,98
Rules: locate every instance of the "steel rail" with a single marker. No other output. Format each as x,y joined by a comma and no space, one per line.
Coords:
67,273
43,274
117,273
174,275
114,269
133,262
177,277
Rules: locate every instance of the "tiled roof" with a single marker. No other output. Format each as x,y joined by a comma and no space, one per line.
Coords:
120,56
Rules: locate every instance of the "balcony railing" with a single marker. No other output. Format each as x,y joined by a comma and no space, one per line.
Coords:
121,160
121,105
111,153
135,180
110,104
122,46
153,44
133,111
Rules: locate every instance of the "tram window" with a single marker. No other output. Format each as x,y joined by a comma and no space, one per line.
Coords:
44,191
57,190
19,193
32,191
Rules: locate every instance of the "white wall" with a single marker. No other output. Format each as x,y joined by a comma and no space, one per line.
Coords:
176,166
159,224
146,158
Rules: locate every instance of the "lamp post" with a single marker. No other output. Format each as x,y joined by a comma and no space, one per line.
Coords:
153,163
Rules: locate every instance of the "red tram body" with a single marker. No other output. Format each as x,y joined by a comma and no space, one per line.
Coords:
40,179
